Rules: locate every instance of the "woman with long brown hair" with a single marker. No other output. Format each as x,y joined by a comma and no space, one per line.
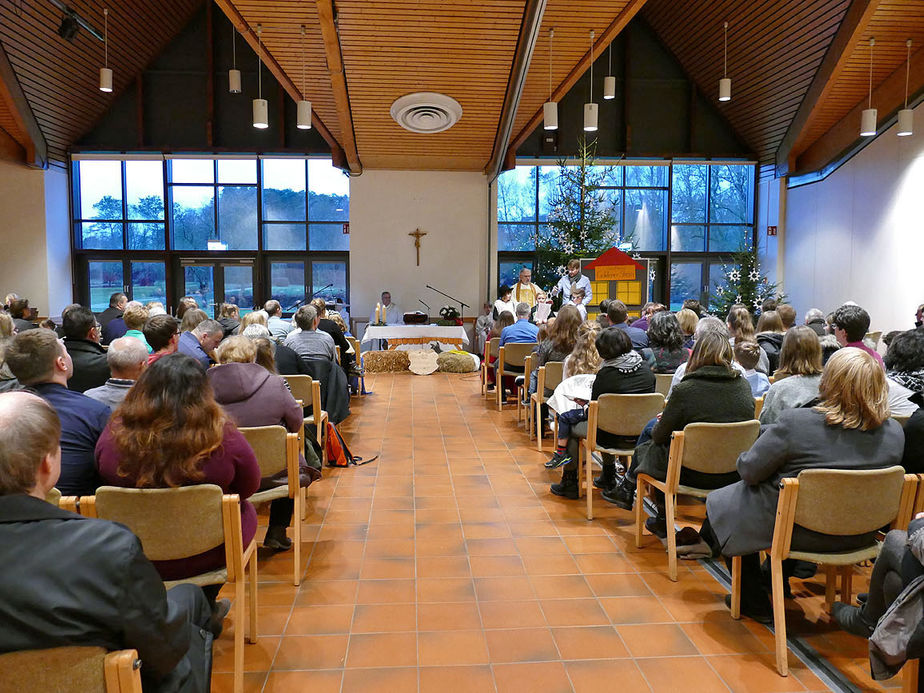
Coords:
169,432
798,376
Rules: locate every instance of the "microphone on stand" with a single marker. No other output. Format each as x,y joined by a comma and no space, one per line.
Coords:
425,305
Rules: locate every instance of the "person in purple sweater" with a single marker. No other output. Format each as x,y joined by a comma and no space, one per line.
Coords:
169,431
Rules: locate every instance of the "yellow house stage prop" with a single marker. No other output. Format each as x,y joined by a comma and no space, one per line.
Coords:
616,275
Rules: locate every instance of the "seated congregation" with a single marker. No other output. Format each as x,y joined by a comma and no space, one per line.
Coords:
136,401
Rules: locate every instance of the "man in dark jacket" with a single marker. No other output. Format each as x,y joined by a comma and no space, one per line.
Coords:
74,581
81,339
116,307
41,363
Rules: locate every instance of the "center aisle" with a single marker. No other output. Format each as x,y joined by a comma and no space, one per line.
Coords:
446,565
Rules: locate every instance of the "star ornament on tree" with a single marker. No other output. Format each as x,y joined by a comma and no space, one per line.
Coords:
734,275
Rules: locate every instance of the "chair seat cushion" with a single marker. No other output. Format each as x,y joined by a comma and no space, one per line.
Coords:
842,558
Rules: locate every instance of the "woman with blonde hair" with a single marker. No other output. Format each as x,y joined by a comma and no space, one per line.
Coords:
688,321
741,326
252,396
584,358
849,429
257,317
798,376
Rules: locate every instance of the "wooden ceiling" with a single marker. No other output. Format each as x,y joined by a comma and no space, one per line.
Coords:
60,79
799,68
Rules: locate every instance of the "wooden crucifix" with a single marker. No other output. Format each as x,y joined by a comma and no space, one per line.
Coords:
417,235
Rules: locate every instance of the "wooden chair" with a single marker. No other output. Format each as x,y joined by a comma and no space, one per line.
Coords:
306,390
524,388
179,522
621,415
758,406
663,383
490,349
710,448
71,670
277,450
337,353
549,377
509,355
69,503
830,501
357,354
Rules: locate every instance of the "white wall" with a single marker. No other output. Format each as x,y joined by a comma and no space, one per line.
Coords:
859,234
385,206
34,229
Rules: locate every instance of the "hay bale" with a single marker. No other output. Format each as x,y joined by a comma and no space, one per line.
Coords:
455,362
385,361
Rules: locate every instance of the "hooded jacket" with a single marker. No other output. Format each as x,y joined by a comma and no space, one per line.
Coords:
772,344
253,396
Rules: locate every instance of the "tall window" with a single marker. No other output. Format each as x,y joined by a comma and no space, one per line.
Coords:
154,227
682,215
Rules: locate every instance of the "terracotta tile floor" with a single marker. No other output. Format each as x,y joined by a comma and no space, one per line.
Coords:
446,565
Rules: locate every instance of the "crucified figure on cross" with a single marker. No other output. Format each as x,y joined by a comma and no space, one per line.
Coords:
417,235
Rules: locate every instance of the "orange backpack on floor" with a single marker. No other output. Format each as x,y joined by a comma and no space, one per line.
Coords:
338,454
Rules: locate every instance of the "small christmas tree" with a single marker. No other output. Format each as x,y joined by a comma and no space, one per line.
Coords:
743,283
583,219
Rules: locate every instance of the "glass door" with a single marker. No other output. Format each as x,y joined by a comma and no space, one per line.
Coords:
214,283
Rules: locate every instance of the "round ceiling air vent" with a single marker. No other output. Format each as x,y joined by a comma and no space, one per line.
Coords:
426,112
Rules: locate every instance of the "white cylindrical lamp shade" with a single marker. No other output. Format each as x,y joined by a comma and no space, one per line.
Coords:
550,115
260,114
234,81
304,115
105,79
590,117
609,87
725,89
905,122
868,122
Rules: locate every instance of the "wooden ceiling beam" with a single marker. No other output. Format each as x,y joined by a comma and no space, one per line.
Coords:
888,97
250,35
519,68
855,22
338,83
28,134
631,9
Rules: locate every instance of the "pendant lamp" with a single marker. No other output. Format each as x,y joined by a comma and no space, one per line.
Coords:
260,107
590,108
550,108
725,82
609,82
304,106
105,74
870,116
234,75
906,115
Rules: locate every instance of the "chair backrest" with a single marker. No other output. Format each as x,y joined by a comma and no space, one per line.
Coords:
71,670
269,445
515,353
492,347
663,383
554,373
355,344
758,406
337,352
627,415
172,523
843,502
53,496
300,387
713,448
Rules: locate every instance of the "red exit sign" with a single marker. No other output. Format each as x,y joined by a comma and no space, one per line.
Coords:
771,230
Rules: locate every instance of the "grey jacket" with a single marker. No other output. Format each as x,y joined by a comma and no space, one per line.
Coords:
743,514
788,393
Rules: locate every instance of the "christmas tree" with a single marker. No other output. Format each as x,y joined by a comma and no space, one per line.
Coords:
743,283
583,219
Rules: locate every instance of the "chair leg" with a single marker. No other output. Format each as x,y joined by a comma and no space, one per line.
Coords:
588,461
846,584
239,632
736,588
830,586
669,509
642,485
304,493
297,538
538,421
779,616
252,588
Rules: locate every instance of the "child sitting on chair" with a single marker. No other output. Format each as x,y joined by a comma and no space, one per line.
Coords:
747,354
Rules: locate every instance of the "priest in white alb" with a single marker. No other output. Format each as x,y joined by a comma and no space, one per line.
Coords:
385,312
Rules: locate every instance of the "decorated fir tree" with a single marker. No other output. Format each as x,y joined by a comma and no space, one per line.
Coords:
743,283
583,219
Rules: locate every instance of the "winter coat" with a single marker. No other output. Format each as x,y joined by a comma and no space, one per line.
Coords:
743,514
229,325
91,369
772,344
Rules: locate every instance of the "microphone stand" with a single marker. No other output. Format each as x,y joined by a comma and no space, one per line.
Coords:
462,306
